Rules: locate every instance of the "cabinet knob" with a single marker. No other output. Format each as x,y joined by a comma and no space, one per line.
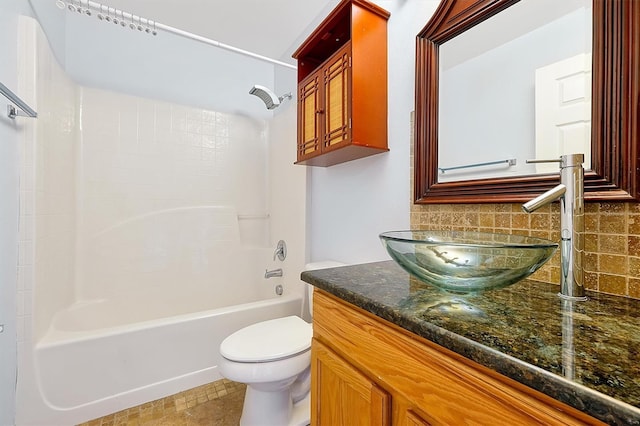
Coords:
320,111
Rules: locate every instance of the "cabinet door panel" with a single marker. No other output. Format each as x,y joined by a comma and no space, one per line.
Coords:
309,111
337,95
342,395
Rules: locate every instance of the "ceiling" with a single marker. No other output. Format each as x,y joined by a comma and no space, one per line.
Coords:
271,28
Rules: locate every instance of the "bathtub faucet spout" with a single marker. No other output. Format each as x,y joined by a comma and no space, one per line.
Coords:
273,273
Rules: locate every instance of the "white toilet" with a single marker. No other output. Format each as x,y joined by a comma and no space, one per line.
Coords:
274,359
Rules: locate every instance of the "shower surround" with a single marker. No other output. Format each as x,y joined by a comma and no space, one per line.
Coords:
144,233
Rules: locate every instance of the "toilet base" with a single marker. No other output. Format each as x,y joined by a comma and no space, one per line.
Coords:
274,409
301,412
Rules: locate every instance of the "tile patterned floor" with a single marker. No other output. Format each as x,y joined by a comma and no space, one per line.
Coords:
214,404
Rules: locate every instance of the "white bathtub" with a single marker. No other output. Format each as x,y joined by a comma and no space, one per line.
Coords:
104,356
154,295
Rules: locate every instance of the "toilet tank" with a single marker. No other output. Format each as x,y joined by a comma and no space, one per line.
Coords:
307,313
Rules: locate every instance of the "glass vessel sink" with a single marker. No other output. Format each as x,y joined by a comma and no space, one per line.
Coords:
467,262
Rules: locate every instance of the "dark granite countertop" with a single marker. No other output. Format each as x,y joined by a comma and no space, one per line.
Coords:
585,354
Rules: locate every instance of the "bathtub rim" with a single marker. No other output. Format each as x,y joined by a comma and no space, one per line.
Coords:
54,337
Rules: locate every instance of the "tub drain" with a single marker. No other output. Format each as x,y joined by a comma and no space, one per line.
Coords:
279,290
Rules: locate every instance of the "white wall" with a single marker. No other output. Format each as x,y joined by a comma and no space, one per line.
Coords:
9,139
351,203
11,136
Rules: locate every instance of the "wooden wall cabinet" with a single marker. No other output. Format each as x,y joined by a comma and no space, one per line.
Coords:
366,371
342,86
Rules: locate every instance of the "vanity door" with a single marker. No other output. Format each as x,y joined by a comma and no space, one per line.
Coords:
342,395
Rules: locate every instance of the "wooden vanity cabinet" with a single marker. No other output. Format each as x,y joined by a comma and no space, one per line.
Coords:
367,371
342,86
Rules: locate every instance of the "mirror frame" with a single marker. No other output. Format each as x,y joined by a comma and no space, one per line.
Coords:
615,110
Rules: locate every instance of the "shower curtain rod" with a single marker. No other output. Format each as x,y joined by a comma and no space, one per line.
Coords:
117,13
215,43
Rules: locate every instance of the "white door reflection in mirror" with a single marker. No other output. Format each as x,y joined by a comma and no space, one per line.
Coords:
563,111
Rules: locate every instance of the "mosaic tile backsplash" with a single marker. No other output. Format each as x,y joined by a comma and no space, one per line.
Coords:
612,237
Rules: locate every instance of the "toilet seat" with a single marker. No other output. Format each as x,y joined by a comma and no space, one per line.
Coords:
268,340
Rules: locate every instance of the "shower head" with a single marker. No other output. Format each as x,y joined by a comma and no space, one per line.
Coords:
270,99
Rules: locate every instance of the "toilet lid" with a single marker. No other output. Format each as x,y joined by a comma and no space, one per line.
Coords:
268,340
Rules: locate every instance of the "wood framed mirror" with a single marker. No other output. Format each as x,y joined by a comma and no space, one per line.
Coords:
615,113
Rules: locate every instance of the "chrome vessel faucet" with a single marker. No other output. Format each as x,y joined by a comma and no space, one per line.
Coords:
571,195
